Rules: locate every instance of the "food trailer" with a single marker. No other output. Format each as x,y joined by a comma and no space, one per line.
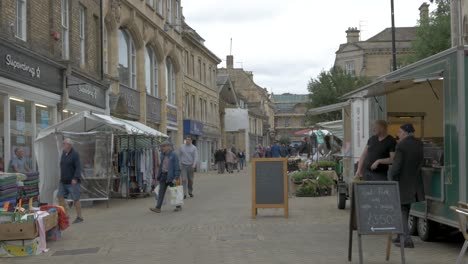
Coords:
431,95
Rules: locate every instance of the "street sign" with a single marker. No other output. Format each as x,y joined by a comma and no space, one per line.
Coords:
375,210
269,184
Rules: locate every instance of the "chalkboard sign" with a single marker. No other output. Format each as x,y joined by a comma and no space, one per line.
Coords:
375,210
378,208
269,184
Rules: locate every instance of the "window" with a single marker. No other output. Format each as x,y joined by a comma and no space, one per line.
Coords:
349,68
204,73
199,70
169,11
205,105
193,66
194,107
21,19
286,121
127,60
170,82
150,3
200,113
210,77
177,14
211,115
104,51
82,35
188,108
160,7
151,72
186,63
65,45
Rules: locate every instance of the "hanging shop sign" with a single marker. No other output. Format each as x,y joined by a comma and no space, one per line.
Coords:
29,68
192,127
86,92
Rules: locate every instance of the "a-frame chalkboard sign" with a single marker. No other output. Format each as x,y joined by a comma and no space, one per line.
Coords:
375,210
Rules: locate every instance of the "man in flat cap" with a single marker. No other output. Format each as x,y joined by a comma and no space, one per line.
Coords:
168,174
406,170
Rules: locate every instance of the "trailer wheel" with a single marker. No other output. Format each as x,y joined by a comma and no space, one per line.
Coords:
341,201
413,225
426,229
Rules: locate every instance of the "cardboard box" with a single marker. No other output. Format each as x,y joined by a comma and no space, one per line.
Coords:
50,221
18,231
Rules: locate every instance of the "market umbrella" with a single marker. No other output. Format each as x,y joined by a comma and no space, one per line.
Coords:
303,132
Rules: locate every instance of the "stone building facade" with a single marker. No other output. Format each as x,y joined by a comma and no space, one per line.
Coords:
50,68
201,96
290,115
143,61
254,98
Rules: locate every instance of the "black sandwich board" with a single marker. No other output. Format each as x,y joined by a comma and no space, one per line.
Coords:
375,210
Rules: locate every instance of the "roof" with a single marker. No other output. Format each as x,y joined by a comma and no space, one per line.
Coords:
290,98
401,34
327,108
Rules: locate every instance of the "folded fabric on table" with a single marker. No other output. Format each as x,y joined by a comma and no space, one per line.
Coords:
7,179
31,188
32,175
32,194
32,182
7,186
8,191
8,196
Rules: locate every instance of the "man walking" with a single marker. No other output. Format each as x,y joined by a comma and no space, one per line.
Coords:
275,150
70,178
188,154
377,155
241,156
220,158
168,174
406,170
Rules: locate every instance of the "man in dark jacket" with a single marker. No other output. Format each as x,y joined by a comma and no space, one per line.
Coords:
169,174
220,159
406,170
70,178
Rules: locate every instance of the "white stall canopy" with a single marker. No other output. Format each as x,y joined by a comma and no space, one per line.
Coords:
47,150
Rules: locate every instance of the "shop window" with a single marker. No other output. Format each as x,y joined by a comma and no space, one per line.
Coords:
21,130
82,35
65,30
127,60
44,117
170,82
21,19
151,72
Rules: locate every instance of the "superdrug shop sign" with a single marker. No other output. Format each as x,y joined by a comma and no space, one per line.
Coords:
26,67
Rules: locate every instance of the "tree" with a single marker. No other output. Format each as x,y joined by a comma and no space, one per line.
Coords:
328,87
285,140
432,33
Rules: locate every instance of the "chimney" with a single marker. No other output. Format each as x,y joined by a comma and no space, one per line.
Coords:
352,35
424,12
230,62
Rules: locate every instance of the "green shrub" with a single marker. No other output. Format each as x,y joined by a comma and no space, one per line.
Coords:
323,164
324,181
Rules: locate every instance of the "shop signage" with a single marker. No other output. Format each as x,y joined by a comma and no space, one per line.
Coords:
171,114
29,68
192,127
153,109
86,92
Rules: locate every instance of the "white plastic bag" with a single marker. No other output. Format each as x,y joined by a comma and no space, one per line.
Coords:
177,195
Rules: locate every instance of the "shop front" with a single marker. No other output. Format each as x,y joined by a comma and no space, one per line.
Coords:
195,129
30,90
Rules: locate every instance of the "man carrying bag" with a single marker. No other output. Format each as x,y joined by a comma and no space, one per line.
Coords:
168,176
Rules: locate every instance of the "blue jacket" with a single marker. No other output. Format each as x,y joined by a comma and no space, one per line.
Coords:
174,167
275,151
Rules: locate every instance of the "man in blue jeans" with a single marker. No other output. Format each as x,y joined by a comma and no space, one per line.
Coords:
168,175
70,178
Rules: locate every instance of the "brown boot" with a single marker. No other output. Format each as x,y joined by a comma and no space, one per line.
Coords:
156,210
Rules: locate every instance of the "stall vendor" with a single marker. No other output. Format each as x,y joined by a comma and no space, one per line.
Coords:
377,155
18,163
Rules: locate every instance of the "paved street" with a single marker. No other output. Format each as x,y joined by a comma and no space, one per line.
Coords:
215,227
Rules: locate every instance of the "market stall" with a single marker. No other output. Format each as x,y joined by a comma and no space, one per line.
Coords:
48,150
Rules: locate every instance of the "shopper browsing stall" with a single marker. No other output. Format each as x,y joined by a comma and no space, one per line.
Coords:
70,177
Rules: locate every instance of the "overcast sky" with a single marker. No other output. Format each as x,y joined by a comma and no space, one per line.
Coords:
285,43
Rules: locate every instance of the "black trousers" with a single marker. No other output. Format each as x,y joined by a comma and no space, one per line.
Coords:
405,210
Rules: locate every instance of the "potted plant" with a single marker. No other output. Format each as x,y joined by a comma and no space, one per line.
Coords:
325,184
298,177
323,165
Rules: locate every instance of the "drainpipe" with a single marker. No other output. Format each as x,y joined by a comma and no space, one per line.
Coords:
101,13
